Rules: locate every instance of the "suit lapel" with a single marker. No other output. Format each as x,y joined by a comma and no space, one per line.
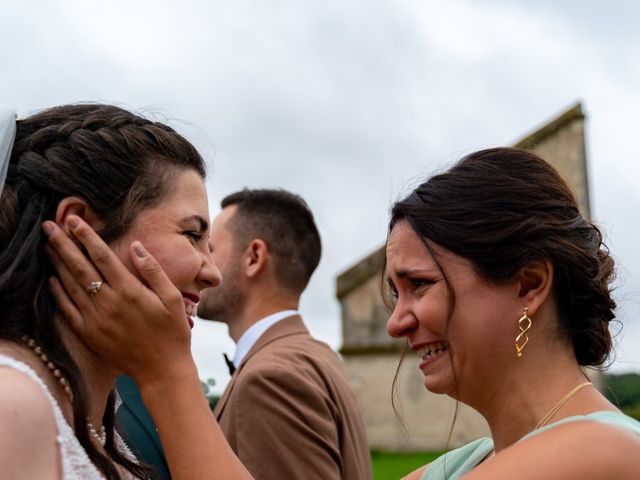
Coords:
287,326
217,411
133,404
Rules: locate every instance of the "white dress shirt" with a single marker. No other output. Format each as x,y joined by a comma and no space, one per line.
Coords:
255,331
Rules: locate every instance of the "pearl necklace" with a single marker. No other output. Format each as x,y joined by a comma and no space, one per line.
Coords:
100,438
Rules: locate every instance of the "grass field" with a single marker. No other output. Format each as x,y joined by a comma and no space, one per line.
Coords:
393,466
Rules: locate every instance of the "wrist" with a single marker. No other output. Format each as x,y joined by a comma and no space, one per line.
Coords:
173,377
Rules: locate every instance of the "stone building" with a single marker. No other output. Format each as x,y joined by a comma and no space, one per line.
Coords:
372,358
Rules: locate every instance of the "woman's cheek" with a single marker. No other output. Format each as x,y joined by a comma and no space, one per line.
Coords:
192,264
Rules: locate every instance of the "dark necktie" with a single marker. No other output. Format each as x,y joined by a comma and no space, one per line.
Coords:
232,367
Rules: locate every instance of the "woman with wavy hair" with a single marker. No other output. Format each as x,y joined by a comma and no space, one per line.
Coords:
502,289
132,180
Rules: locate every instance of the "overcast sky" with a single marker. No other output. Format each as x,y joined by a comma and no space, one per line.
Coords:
350,104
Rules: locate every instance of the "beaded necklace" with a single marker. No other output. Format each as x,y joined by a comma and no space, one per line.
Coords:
100,438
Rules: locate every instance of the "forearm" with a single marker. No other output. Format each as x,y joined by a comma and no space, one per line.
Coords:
194,445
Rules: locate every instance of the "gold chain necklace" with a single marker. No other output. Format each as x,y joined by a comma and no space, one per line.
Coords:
560,404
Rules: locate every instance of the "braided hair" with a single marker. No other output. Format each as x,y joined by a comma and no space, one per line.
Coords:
120,164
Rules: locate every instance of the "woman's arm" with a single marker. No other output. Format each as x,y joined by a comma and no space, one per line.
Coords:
139,327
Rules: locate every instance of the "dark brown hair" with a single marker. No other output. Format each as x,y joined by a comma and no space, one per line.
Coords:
120,163
284,222
503,208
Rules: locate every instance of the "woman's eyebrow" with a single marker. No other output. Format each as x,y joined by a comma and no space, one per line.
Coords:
203,223
412,271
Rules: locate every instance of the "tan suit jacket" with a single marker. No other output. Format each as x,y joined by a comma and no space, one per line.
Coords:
289,411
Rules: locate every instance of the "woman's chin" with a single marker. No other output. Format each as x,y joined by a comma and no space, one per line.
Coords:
439,386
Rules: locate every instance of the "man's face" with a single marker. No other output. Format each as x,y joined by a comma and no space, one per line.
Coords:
220,303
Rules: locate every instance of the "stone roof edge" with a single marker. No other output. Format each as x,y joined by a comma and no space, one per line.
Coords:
549,128
355,275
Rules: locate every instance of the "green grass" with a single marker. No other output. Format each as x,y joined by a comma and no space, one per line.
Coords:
393,466
633,411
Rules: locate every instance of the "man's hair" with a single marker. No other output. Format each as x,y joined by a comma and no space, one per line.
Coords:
284,222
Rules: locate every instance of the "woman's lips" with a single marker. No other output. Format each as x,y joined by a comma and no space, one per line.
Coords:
190,307
429,353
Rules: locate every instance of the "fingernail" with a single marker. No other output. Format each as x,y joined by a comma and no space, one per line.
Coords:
53,282
73,221
47,228
140,250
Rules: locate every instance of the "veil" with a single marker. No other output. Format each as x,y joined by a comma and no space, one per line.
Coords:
7,136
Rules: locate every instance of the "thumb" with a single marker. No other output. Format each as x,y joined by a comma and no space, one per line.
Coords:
153,274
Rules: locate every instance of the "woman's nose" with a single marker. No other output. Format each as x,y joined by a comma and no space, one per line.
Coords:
401,322
209,272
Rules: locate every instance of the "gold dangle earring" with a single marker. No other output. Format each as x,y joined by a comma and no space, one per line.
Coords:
524,324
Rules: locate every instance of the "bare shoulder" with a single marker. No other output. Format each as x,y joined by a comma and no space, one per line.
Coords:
574,450
27,445
22,393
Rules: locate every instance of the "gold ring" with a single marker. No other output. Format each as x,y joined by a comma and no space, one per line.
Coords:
94,288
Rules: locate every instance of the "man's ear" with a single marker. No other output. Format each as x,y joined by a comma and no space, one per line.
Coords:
535,281
256,257
80,207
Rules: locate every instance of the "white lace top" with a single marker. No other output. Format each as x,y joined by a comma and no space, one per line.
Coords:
75,461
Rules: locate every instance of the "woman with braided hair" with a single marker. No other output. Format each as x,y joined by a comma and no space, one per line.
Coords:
133,181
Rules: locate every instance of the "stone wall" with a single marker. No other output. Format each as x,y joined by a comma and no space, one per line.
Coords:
423,420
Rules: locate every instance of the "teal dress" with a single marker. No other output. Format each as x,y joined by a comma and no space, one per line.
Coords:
464,459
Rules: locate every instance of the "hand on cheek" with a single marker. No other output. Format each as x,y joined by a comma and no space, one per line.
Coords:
135,326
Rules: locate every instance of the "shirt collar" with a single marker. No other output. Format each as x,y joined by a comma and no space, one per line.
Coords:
255,331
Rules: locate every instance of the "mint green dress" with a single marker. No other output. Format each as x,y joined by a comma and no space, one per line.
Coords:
462,460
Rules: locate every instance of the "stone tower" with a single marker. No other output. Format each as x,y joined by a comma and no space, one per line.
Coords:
371,357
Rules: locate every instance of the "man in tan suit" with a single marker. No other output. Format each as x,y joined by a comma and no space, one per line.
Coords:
288,411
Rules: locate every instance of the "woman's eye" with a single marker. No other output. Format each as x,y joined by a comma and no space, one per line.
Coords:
392,291
193,236
419,282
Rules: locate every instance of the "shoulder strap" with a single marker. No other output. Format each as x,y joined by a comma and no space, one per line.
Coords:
609,417
457,462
